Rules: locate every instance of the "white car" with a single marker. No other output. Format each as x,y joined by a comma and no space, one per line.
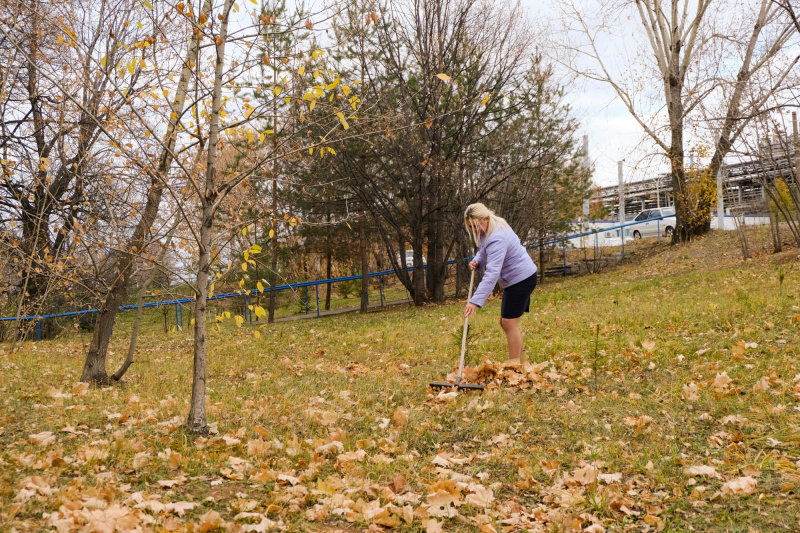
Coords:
650,222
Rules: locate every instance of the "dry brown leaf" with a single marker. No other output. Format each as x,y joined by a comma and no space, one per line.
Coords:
702,470
211,520
433,526
45,438
400,416
741,485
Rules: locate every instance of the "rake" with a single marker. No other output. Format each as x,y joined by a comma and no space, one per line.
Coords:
458,385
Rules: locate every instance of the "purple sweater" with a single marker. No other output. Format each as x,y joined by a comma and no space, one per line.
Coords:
506,262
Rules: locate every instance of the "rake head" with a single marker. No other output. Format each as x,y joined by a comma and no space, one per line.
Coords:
458,386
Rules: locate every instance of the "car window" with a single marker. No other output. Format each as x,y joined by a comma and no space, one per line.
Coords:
641,216
668,211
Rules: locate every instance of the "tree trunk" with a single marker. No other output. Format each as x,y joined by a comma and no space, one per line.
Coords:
328,274
196,422
675,154
364,249
94,369
140,308
273,277
418,275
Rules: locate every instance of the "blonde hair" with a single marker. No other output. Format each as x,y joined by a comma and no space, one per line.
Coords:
477,212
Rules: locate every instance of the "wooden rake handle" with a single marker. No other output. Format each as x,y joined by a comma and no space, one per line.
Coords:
464,335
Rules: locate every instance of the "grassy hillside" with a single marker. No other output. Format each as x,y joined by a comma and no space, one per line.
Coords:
662,395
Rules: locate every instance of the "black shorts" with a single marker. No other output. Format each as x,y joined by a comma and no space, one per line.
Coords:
517,298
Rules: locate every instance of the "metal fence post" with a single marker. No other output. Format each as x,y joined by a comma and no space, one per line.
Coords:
181,308
564,245
176,316
596,245
380,286
658,226
306,299
38,330
622,236
316,288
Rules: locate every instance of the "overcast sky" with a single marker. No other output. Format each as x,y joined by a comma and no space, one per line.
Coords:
614,135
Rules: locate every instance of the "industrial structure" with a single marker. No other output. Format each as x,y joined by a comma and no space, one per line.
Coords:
742,185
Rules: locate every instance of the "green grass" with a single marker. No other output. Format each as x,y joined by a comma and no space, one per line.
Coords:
668,318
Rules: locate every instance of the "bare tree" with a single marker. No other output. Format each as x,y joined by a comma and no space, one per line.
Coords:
698,63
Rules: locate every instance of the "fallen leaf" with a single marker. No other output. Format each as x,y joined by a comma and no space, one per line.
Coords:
45,438
400,416
741,485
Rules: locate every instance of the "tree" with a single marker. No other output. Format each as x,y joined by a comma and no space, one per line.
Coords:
57,109
549,187
439,71
703,74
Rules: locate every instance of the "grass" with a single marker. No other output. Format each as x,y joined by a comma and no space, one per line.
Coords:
294,408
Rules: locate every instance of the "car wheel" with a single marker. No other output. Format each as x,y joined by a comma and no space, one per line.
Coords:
637,235
668,232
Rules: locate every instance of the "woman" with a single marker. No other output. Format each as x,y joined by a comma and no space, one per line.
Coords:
506,262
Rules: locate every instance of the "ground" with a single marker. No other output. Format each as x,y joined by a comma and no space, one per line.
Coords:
662,395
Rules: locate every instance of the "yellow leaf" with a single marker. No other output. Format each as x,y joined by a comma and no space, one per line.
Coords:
260,288
244,232
148,5
256,333
313,103
103,61
485,99
260,311
191,322
249,136
301,70
442,76
211,291
227,314
348,225
60,39
239,321
276,91
271,233
246,254
241,283
311,151
261,137
244,267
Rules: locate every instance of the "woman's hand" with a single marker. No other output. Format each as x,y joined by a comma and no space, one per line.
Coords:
473,265
470,310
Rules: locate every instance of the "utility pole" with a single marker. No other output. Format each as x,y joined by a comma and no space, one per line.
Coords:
796,148
585,217
621,195
720,196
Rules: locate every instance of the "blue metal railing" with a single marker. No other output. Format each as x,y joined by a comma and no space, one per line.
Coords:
246,294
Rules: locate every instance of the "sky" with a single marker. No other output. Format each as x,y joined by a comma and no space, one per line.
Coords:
614,135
